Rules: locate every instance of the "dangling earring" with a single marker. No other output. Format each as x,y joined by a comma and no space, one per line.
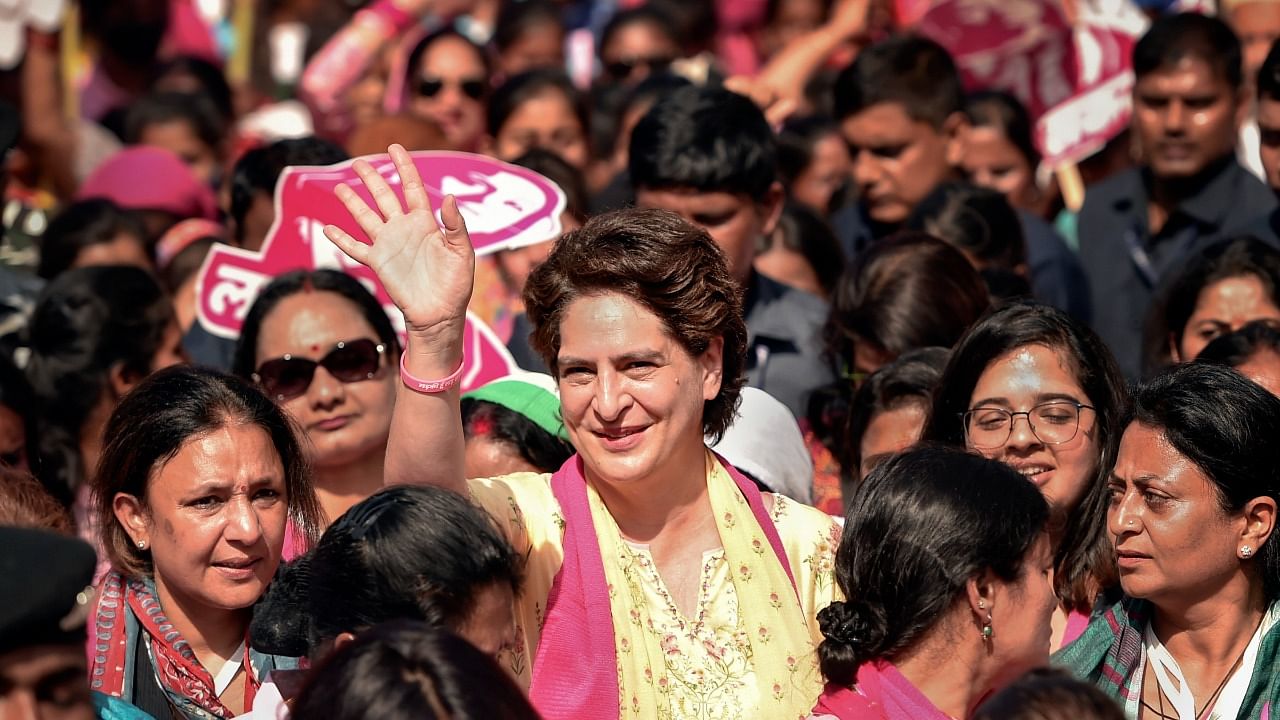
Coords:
986,630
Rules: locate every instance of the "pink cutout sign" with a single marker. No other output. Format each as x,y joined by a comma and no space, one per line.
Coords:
505,207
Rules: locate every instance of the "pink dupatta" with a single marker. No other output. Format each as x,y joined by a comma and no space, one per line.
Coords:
883,694
571,679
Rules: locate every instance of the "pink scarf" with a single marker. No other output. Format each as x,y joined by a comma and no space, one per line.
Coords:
883,694
571,679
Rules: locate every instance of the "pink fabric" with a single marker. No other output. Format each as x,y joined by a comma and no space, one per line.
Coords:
150,178
571,678
188,34
883,694
294,543
1076,624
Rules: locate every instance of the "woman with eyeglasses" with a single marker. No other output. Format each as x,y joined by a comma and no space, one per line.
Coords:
447,82
1191,510
1030,387
320,346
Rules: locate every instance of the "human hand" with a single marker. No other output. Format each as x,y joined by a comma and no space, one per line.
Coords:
426,267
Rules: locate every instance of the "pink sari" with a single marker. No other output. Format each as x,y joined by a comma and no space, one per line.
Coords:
882,694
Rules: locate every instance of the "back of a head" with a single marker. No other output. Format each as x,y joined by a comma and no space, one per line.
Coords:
1236,348
979,221
258,170
908,291
406,552
1049,694
80,225
87,322
410,671
705,139
917,530
25,503
910,70
1175,37
554,168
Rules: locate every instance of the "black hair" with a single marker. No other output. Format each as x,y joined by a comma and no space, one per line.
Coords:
1085,564
1049,694
538,447
569,178
258,170
406,552
410,671
1227,426
639,15
796,141
186,263
977,220
1176,300
1269,75
919,528
209,78
415,55
911,379
245,360
195,109
1172,38
518,89
705,139
86,322
910,70
517,17
1006,113
81,224
907,292
158,418
1236,348
803,231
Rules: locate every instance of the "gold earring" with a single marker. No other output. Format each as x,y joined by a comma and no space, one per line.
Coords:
986,630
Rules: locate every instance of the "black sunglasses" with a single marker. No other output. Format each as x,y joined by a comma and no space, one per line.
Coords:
471,87
288,377
622,69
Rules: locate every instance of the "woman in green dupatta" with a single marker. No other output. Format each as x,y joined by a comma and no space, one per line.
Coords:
1193,506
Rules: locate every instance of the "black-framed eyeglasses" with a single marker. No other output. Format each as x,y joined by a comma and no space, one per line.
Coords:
287,377
473,88
1053,423
622,68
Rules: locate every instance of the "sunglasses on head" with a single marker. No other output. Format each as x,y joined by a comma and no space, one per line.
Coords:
471,87
288,377
622,69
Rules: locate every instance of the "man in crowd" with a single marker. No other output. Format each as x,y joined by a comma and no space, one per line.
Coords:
708,155
1189,191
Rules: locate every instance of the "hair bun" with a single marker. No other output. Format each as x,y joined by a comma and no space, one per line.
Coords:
854,625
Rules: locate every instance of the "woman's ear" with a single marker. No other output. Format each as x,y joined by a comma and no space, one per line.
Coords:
981,595
121,380
712,361
133,518
1260,520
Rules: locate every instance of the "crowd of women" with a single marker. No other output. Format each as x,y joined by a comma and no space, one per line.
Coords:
826,410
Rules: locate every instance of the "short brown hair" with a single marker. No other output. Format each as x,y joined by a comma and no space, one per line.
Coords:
157,419
25,503
670,267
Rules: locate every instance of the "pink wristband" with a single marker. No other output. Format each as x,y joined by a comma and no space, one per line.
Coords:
430,387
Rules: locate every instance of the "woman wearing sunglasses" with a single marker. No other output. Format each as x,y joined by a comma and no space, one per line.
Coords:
717,585
323,349
447,83
1030,387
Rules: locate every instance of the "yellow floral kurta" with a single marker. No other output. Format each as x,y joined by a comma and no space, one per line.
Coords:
708,668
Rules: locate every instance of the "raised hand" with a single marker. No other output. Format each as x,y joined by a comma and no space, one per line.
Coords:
426,267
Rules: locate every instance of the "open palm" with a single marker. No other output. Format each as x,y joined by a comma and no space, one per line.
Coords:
426,267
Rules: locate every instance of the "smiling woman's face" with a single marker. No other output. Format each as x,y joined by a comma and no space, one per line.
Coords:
1019,380
631,397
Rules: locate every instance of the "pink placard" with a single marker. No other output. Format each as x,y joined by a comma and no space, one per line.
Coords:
505,206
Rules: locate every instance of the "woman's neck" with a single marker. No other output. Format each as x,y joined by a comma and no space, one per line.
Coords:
949,674
666,503
340,487
214,634
1211,632
90,439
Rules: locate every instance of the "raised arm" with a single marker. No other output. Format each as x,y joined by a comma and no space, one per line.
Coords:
427,269
788,73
